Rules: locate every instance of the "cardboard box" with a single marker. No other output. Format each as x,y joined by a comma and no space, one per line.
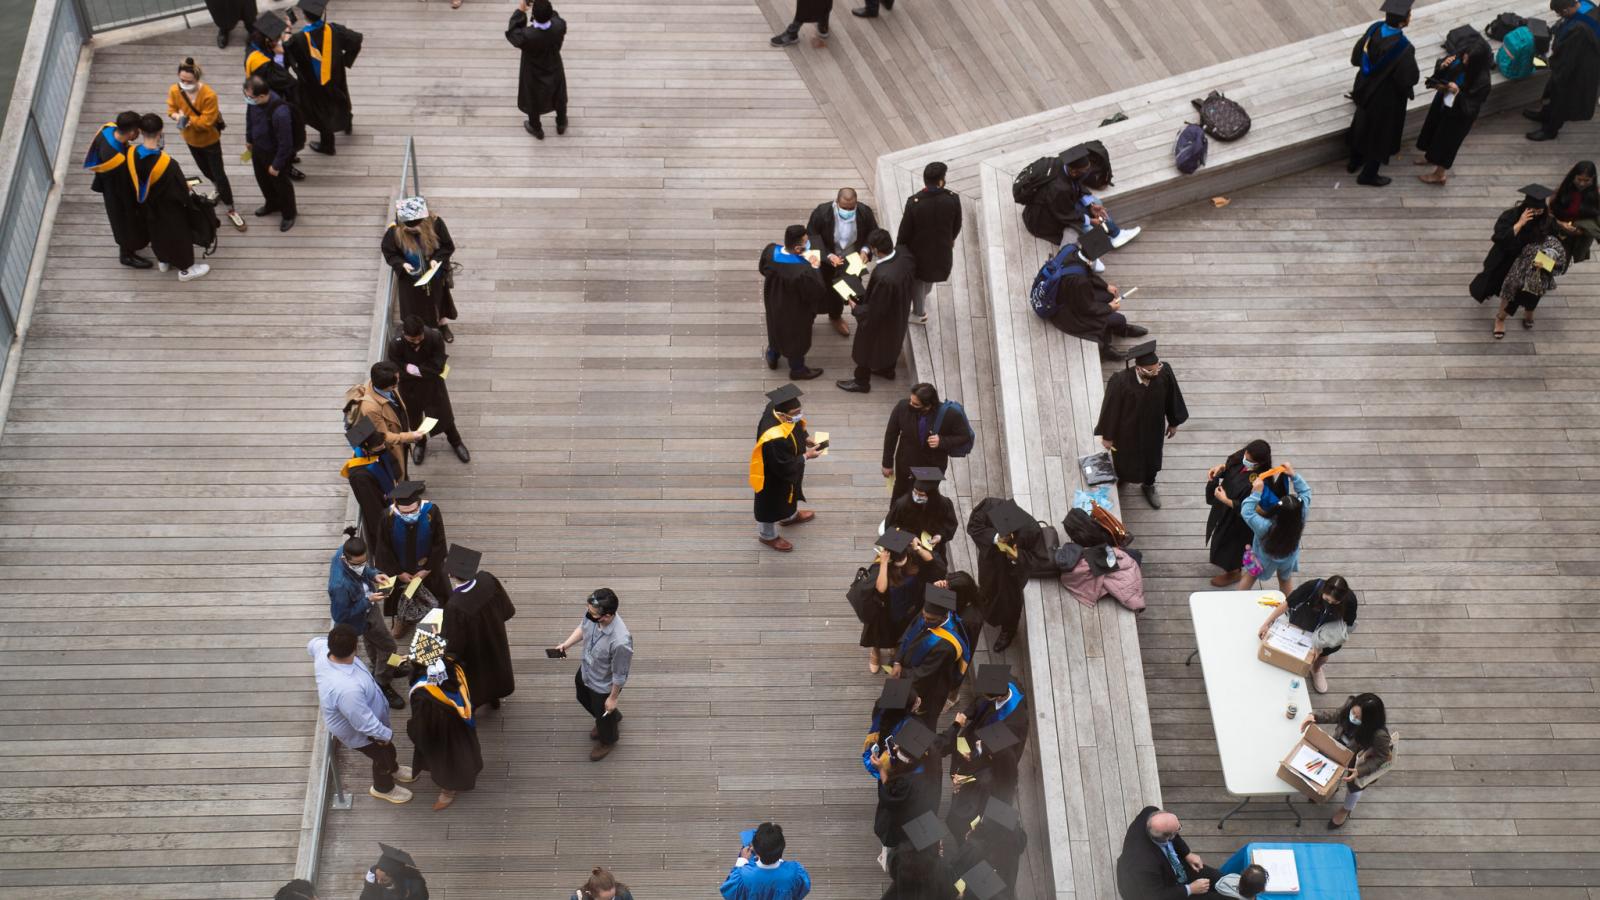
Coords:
1323,743
1299,664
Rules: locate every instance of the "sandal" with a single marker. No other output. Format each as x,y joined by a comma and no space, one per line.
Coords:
1527,322
874,660
1499,327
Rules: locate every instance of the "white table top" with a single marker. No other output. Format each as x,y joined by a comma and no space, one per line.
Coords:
1248,697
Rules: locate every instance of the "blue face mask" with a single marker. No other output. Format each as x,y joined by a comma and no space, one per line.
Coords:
410,516
846,214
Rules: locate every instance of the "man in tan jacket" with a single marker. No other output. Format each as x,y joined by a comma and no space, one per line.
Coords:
378,400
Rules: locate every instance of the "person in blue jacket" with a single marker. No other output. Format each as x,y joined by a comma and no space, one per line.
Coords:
1276,549
355,600
761,872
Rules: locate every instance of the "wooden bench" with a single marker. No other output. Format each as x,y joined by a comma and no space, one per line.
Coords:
1095,754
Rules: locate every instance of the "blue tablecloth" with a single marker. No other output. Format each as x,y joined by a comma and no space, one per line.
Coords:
1327,871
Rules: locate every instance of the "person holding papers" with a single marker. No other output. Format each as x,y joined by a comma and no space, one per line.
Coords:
475,616
761,872
418,352
908,770
1361,725
900,578
882,315
443,726
418,247
778,467
378,400
1275,552
792,293
839,229
924,511
409,546
1327,609
990,736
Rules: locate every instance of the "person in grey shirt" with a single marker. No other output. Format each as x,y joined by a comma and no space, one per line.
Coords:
607,657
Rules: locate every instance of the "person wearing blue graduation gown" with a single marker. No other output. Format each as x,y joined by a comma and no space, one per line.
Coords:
934,653
1573,86
1000,701
443,729
761,872
108,160
411,544
320,52
908,770
1385,83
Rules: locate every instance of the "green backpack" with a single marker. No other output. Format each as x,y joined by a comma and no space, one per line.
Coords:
1515,56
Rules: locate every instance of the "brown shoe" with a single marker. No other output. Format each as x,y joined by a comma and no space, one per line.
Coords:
594,733
600,751
1225,579
445,799
841,327
778,544
1340,816
799,518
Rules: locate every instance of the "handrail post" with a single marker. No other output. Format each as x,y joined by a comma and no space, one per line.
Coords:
339,798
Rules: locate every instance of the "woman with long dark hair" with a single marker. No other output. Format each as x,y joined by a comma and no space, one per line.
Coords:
1575,211
1275,551
1362,726
904,568
414,242
1461,85
1229,484
1327,609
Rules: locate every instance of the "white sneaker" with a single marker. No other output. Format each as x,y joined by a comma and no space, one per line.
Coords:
1124,236
1099,266
404,775
398,795
919,320
161,266
193,272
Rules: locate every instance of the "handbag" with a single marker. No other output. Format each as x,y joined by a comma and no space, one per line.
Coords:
220,126
863,594
416,606
1250,564
1113,526
1044,565
1362,782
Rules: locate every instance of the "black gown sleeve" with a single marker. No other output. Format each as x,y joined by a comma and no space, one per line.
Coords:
447,246
349,41
891,433
1177,411
438,545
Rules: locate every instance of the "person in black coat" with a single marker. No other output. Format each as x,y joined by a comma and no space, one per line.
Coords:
1384,85
882,314
813,11
269,137
108,160
1088,306
538,31
778,467
371,471
475,615
394,876
410,545
923,432
1142,408
1156,863
1461,86
228,13
163,197
418,352
1228,485
923,510
997,839
837,229
412,243
792,295
908,770
1008,542
929,228
1525,223
989,738
443,730
320,53
1574,84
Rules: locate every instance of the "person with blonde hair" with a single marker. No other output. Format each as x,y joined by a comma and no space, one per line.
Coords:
192,104
602,885
414,243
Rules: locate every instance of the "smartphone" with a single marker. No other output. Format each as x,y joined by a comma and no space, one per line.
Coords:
821,445
553,653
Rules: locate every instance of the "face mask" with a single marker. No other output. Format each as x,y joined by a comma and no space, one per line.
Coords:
846,214
409,516
592,617
1251,465
808,245
793,416
918,499
357,568
189,88
1354,720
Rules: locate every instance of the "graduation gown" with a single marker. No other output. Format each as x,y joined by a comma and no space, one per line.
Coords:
426,394
1226,531
812,10
1054,209
883,315
228,13
326,106
920,876
1385,83
541,80
1001,578
1507,246
793,295
432,301
277,75
783,470
821,229
903,798
444,741
164,202
928,228
107,158
403,546
1574,83
410,888
1084,307
936,517
996,772
934,665
1447,126
905,441
1134,417
475,630
899,608
999,847
371,480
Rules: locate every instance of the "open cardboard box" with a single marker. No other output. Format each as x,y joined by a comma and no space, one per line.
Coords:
1325,744
1272,656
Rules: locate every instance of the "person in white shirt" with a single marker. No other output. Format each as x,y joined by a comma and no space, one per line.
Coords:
356,711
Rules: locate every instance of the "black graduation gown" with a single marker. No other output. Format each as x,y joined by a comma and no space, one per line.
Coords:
1054,209
326,107
475,631
413,887
1084,307
1000,578
1135,419
920,876
903,798
969,605
426,394
1381,97
395,553
898,608
793,295
1226,531
542,80
999,847
883,316
905,446
928,228
432,301
277,76
372,497
996,772
228,13
812,10
1574,84
1507,247
937,516
1447,127
935,679
783,462
128,226
166,212
820,228
443,744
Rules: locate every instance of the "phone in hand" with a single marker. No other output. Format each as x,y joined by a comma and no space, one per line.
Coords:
553,653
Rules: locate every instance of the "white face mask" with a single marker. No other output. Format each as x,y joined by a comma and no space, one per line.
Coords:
189,87
1354,720
1250,465
357,568
409,516
918,498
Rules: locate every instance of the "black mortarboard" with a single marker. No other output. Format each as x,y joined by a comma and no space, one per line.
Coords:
1009,518
938,598
318,7
983,882
997,738
462,563
926,477
271,24
361,432
896,694
914,739
1094,243
993,679
394,856
1559,5
785,398
1144,354
1397,7
926,831
408,491
1003,814
1077,153
1537,192
897,542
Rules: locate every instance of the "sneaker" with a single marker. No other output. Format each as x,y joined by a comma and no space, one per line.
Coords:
404,775
398,795
237,220
1099,266
195,271
920,320
162,267
784,39
1125,235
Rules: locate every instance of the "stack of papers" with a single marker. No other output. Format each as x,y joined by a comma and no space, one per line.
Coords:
1286,638
1282,876
853,264
1313,767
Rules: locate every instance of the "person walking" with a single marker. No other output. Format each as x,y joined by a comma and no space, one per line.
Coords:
269,139
602,885
355,600
1532,275
806,11
265,58
1525,223
320,52
226,14
1362,726
418,352
778,467
394,876
923,432
1230,482
1275,551
929,228
539,32
1461,86
1574,83
354,710
839,229
870,11
1143,407
443,726
108,160
792,293
163,197
413,245
761,872
881,315
192,105
1385,83
1327,609
607,661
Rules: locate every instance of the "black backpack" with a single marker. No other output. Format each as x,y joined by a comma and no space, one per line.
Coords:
1099,177
1503,24
1031,180
203,222
297,122
1081,529
1222,118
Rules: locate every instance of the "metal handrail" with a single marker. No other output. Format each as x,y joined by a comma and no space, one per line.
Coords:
408,173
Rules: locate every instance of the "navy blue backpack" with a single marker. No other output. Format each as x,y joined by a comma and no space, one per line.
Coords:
1043,293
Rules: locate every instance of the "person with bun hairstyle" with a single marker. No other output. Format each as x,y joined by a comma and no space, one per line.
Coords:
192,105
602,885
354,599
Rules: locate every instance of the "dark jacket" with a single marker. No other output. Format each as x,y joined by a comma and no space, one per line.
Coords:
269,130
1143,871
1385,81
883,313
820,228
1574,69
542,79
905,440
1369,757
929,227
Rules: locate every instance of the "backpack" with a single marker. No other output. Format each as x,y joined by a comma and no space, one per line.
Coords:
938,420
1189,151
203,222
1222,118
1031,180
1081,529
1504,24
1515,56
1043,293
1099,177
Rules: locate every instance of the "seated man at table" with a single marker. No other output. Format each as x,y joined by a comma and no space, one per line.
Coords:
1156,863
1242,885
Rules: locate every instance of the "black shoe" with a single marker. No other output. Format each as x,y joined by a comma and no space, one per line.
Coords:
863,13
350,129
806,374
887,4
286,224
446,333
135,261
295,174
884,373
222,39
822,35
785,39
534,128
316,147
853,386
1375,181
561,126
1150,496
1003,640
395,702
495,703
265,210
462,453
1540,135
1352,167
419,452
1533,115
1112,354
1133,331
772,362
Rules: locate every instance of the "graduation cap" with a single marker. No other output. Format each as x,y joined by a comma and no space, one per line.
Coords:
934,597
1397,7
896,694
1144,354
997,738
428,645
914,739
1537,192
785,398
983,882
315,8
395,861
927,477
1075,154
462,563
1094,244
993,679
360,433
271,24
409,491
926,831
1002,814
897,542
1009,518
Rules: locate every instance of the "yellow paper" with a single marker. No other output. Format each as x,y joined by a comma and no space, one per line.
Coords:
396,659
812,256
961,886
965,779
927,540
1544,262
821,437
428,422
385,582
842,288
888,485
444,372
428,275
411,587
962,747
853,264
1539,63
245,156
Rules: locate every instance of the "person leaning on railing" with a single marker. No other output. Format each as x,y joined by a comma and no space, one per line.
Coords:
192,104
